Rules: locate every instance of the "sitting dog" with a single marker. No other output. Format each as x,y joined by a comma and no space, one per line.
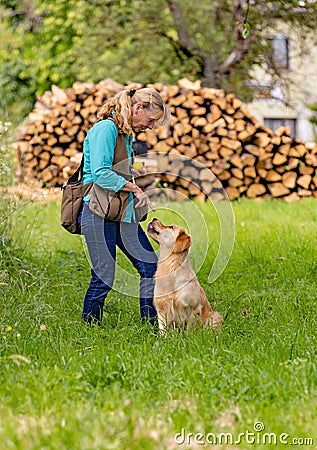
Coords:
178,297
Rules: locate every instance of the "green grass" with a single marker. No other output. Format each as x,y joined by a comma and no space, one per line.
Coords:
120,386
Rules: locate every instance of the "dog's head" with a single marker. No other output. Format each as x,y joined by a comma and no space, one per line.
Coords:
171,238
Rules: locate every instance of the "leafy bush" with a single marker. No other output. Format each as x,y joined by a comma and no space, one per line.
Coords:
6,157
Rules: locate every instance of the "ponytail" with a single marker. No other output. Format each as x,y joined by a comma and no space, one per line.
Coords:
119,107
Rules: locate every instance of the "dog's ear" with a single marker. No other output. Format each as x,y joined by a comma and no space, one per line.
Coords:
183,242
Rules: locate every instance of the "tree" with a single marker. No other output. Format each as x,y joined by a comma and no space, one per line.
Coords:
224,27
216,41
39,51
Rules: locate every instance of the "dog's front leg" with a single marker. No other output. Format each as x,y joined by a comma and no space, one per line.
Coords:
162,323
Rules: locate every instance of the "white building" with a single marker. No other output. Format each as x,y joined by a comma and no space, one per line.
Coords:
286,103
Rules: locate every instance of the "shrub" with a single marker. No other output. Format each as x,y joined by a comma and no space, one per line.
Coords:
6,156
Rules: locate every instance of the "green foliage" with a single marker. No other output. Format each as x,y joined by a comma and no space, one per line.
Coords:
6,156
120,386
40,53
61,41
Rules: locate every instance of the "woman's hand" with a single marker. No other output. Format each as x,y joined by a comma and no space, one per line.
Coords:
144,200
138,169
142,197
137,172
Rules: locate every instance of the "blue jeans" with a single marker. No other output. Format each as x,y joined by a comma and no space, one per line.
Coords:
102,237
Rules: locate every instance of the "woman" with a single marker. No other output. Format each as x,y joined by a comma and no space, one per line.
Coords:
127,112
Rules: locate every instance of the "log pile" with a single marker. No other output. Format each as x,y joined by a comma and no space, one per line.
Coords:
212,141
49,146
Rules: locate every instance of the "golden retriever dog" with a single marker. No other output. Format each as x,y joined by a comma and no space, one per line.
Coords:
179,299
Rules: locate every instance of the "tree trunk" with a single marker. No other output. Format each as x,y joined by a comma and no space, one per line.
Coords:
208,75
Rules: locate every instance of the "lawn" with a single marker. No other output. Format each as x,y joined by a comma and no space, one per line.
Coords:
121,386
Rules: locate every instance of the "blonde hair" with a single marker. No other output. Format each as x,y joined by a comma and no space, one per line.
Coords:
120,105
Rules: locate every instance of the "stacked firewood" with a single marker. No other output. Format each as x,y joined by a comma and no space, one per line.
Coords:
212,143
50,144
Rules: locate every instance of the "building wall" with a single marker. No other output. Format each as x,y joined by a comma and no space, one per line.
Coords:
287,103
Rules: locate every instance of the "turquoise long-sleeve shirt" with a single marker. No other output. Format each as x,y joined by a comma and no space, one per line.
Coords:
99,146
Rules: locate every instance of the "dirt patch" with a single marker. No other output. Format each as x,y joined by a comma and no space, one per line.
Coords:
23,191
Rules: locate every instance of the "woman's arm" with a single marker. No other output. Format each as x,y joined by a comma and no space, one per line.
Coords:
102,143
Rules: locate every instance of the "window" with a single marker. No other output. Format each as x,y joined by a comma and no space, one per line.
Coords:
280,52
273,124
264,90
